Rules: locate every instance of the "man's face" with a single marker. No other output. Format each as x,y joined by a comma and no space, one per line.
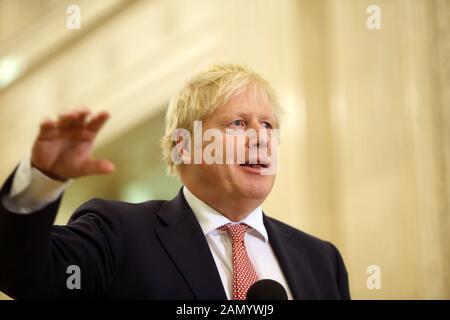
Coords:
247,110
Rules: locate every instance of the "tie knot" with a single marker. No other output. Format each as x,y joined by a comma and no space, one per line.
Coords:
236,231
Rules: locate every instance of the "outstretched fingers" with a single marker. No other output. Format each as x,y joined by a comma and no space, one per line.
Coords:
47,129
73,119
79,121
97,121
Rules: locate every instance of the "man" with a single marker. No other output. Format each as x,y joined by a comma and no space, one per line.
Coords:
212,241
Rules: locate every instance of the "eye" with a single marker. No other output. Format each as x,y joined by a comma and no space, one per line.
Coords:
237,123
267,125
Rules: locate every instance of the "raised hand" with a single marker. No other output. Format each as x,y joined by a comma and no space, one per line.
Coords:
63,148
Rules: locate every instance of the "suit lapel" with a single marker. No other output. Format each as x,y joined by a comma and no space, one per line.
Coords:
294,269
183,239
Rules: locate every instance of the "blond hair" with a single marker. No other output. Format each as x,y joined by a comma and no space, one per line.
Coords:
205,92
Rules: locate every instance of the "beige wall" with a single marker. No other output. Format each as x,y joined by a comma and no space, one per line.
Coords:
365,159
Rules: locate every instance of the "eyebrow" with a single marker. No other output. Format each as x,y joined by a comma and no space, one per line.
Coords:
271,116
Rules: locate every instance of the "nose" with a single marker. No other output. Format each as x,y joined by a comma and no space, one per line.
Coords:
262,135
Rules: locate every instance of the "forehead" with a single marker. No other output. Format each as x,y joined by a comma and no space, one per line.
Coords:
251,99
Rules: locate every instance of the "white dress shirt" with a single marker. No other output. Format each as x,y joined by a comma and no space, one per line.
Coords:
256,241
32,190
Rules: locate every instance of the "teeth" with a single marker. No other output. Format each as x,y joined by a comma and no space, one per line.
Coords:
255,165
252,165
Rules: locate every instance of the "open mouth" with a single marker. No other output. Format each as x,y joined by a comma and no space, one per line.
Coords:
254,164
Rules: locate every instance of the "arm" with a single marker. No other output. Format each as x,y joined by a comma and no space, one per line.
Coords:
31,190
34,254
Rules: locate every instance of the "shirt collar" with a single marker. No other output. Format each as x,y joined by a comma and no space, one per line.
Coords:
210,219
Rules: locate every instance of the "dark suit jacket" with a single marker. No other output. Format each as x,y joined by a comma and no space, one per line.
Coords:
150,250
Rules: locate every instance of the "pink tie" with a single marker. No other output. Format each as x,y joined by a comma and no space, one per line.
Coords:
244,274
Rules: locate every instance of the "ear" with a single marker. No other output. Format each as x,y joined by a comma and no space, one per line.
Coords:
183,147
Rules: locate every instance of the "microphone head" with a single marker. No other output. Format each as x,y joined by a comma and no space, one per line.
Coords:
266,289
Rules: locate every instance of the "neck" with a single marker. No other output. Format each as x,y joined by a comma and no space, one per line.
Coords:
233,209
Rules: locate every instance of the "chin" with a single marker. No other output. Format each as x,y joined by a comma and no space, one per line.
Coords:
256,192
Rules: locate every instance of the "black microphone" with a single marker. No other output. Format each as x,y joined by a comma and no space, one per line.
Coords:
266,289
